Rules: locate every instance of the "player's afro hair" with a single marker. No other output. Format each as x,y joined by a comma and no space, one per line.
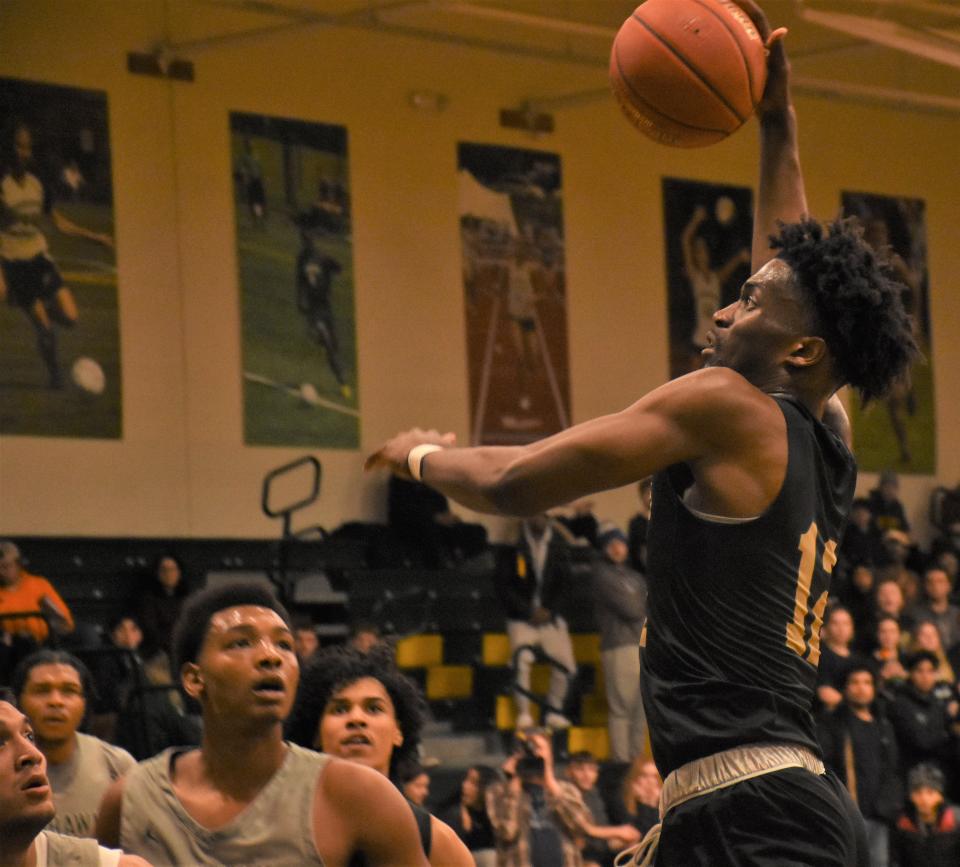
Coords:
334,668
857,304
194,620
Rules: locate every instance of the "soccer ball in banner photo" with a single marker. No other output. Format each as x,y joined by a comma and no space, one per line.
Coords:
88,375
688,73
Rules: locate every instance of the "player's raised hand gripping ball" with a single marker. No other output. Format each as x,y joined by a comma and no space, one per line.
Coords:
688,73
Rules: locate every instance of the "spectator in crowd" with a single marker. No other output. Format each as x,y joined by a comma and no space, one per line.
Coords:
858,595
160,605
890,603
52,688
532,581
949,561
580,522
926,636
268,800
359,707
20,592
27,805
896,545
888,655
305,638
936,606
920,719
468,816
861,540
927,833
836,657
129,708
433,535
620,605
414,783
637,528
639,803
538,820
583,771
860,747
364,635
888,512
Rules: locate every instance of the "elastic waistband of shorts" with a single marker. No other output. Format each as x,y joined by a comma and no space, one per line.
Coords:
729,767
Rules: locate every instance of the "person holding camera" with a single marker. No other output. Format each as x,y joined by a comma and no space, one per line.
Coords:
538,820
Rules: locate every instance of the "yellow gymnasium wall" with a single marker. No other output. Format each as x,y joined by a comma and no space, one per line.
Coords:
181,468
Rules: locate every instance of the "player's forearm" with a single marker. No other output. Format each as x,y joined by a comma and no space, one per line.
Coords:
781,193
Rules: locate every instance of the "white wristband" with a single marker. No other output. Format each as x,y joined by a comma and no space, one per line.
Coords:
416,455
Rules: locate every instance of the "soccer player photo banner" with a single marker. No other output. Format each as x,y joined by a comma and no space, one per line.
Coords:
514,282
59,328
898,432
708,229
295,260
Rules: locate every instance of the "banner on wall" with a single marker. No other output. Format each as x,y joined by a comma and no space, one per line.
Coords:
708,231
898,432
511,230
59,326
295,260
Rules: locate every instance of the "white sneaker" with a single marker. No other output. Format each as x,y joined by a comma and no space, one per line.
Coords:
525,721
557,721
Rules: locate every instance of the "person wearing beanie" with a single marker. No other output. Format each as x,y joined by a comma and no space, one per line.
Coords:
927,832
620,605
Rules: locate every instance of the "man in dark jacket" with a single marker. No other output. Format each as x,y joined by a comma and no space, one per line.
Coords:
532,581
859,746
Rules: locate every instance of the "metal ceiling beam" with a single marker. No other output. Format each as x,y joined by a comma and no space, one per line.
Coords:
889,34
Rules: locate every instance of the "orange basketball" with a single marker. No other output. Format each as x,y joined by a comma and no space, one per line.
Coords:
688,73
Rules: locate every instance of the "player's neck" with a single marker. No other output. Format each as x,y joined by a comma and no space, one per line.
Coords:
241,763
59,752
18,847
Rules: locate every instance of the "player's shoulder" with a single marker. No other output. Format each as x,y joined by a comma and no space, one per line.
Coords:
715,391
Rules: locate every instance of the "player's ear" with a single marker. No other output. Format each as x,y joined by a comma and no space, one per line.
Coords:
192,680
807,351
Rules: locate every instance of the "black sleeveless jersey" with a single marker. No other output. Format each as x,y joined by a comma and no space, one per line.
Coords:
735,609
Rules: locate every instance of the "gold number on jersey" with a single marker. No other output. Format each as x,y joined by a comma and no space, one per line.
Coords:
806,644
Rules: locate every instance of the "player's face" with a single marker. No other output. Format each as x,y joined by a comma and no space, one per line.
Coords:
359,723
53,699
757,333
247,668
25,794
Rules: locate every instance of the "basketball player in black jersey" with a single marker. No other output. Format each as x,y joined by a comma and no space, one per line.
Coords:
753,481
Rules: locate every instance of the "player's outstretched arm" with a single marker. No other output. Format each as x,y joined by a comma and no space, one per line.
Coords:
781,194
679,421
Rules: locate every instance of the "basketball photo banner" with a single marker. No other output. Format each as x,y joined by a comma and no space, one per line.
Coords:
899,432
